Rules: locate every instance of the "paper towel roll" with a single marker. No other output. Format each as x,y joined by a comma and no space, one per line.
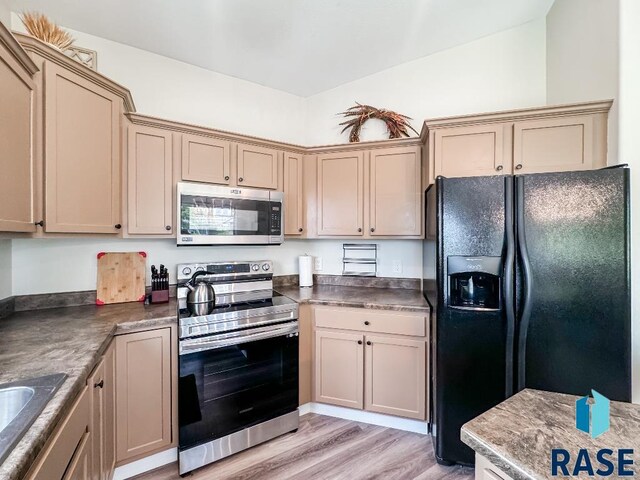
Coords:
305,270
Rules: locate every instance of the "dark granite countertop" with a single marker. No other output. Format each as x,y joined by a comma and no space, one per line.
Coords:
66,340
518,435
398,299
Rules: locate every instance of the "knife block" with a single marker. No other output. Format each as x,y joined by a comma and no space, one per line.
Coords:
159,296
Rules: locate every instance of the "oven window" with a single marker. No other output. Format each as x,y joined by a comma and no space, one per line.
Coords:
223,216
225,390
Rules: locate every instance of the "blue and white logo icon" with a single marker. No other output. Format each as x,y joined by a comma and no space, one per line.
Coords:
593,418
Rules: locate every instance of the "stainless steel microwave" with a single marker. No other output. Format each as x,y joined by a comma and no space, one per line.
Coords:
214,215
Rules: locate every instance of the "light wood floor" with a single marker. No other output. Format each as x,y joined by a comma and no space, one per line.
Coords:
329,448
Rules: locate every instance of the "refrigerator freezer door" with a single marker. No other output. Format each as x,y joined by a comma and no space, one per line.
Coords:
469,330
576,229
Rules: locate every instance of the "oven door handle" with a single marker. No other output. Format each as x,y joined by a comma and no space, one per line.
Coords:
236,338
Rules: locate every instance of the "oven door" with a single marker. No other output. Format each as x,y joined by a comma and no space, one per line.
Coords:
235,380
210,215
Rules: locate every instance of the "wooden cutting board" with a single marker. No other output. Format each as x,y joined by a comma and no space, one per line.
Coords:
121,277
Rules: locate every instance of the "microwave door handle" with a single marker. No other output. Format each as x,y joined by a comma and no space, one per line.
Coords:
192,346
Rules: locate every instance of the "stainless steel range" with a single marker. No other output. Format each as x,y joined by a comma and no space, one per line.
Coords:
238,364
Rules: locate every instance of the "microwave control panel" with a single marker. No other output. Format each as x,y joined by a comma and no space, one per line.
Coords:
275,222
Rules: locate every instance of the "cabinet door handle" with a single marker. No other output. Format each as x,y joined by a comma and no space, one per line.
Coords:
499,168
366,322
359,230
226,177
359,342
100,384
300,229
40,223
372,229
368,342
168,227
519,166
240,179
117,226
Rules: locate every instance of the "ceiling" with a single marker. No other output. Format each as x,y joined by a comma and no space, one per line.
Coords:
298,46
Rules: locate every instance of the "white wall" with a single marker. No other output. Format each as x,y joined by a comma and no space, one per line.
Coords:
61,265
5,13
582,56
629,148
502,71
167,88
5,269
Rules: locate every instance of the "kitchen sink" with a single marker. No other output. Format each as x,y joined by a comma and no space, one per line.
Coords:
20,404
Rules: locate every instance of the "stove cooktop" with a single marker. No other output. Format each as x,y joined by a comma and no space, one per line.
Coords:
276,300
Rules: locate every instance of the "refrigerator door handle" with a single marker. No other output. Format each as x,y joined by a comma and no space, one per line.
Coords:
528,283
508,285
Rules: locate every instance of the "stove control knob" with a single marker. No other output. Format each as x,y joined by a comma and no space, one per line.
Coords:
255,267
200,269
186,271
266,267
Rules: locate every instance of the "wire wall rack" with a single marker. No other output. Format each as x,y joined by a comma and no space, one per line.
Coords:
360,259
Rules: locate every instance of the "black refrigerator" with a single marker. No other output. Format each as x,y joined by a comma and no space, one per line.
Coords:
528,277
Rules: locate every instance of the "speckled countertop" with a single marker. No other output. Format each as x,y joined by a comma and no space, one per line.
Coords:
399,299
66,340
517,435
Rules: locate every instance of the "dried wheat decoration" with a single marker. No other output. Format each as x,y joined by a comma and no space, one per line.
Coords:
39,26
397,124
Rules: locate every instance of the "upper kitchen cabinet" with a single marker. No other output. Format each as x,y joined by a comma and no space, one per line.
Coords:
79,134
340,186
18,157
535,140
149,181
293,194
395,206
206,159
258,167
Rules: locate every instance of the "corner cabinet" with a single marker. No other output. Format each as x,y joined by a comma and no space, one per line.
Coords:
150,182
533,140
82,154
18,157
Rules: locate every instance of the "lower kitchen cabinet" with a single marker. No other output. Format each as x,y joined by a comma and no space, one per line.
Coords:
339,367
380,368
485,470
143,393
69,449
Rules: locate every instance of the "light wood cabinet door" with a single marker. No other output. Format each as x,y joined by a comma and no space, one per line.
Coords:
469,151
143,393
82,154
257,167
339,365
553,144
395,376
206,159
80,467
395,206
96,383
293,194
17,149
150,181
340,194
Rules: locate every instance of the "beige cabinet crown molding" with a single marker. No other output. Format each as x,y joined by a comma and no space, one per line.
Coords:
12,44
582,108
33,45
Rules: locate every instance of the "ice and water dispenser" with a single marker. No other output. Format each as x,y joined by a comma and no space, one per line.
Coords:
474,282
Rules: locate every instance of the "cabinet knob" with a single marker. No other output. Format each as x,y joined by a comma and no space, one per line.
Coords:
240,179
372,229
359,342
368,342
499,168
117,226
300,229
359,230
168,227
40,223
519,166
226,177
100,384
366,322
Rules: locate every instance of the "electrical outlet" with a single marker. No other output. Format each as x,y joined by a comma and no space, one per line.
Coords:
397,266
317,263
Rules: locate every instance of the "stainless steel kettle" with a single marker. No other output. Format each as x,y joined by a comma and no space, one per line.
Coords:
201,299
